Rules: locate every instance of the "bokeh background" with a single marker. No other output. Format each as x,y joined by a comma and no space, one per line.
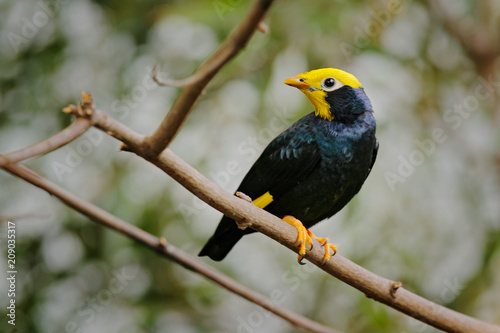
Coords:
429,214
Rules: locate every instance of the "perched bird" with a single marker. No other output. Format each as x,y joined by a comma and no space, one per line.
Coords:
314,168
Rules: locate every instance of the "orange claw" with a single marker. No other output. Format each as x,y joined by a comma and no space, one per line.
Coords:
326,245
303,237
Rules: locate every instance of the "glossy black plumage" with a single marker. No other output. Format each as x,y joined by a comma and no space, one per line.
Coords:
312,170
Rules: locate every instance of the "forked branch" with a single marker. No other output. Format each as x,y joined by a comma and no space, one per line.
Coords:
195,84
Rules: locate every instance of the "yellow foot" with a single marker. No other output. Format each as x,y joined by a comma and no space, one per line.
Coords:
325,244
303,237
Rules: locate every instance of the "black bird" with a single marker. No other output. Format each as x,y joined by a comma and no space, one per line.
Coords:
313,169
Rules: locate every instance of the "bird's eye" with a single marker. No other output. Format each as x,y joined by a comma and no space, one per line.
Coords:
330,84
302,80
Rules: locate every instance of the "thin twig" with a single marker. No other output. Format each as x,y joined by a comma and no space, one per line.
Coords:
166,250
196,76
163,82
46,146
171,124
372,285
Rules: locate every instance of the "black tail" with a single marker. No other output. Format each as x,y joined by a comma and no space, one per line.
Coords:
224,238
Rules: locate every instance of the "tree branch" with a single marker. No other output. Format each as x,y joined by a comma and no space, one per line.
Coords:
160,246
247,215
163,82
46,146
170,126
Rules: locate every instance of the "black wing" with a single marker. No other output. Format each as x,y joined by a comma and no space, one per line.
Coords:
286,161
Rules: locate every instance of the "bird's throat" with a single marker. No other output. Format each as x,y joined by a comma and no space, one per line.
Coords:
321,106
323,112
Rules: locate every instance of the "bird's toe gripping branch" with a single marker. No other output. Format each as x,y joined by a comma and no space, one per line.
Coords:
324,242
305,237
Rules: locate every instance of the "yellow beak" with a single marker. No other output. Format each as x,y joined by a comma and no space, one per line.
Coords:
297,82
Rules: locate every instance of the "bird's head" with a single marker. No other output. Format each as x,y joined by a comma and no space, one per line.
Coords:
333,92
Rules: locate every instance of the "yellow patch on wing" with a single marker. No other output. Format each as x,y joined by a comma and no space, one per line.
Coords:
263,200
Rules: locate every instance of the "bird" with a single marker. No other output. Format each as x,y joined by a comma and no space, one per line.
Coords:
313,169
